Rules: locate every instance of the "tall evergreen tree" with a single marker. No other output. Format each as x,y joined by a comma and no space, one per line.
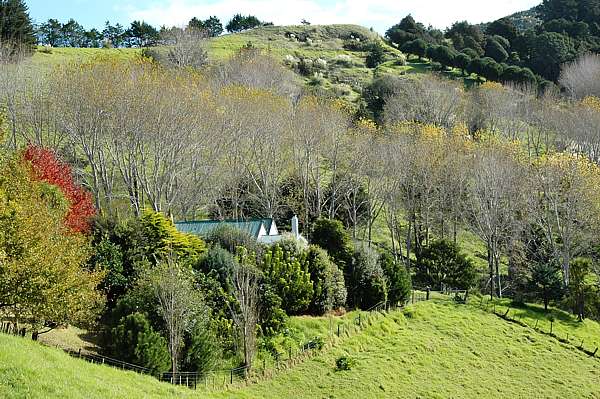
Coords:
15,25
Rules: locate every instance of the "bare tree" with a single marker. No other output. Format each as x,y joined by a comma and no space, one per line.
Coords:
180,304
244,312
186,47
428,99
317,140
252,68
495,194
581,77
566,210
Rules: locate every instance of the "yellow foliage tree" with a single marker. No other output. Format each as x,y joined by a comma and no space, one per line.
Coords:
43,282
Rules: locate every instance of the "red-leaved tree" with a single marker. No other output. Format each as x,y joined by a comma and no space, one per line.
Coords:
49,168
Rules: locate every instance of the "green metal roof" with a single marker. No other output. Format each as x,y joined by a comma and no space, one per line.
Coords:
205,227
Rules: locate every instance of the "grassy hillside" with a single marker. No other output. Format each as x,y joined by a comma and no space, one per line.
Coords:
441,350
30,370
430,350
341,47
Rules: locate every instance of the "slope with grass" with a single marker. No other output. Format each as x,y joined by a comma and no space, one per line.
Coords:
44,57
441,350
343,48
30,370
434,349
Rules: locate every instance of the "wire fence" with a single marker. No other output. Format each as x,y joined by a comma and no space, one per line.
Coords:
550,330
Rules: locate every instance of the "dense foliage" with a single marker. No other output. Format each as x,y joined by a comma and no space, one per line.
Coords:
43,281
48,168
513,55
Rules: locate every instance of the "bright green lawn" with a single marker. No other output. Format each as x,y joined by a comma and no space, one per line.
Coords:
433,349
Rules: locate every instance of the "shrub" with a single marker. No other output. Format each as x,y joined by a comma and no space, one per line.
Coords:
492,70
365,280
583,285
375,56
108,256
462,61
495,50
316,343
398,278
134,341
442,263
441,54
416,47
152,352
329,291
162,238
344,60
288,275
272,317
230,238
344,363
218,262
471,53
306,66
202,352
320,63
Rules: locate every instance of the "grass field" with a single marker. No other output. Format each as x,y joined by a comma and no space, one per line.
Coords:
59,55
434,349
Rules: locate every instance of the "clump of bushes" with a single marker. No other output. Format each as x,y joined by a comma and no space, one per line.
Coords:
344,363
344,60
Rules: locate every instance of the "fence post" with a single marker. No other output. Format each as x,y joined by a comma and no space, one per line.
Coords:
231,379
338,330
427,293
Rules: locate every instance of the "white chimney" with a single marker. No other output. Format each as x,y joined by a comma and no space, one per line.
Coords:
295,231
